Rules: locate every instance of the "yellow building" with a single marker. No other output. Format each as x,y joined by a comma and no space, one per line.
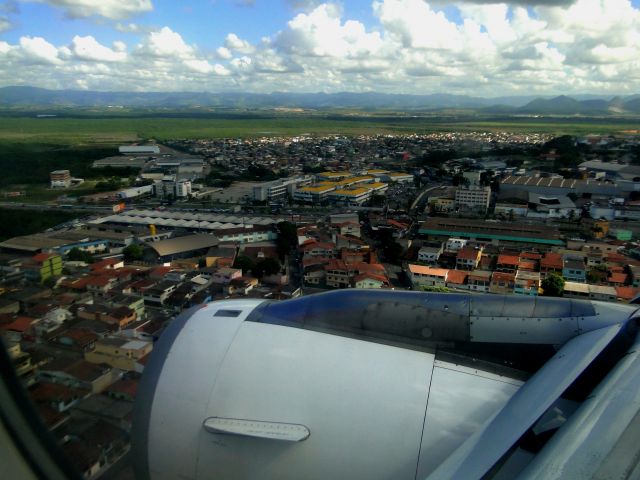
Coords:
313,194
122,353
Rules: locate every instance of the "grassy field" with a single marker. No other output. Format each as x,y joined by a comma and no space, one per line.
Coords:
25,222
41,193
110,131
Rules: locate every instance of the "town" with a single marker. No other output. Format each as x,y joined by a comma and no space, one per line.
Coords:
273,218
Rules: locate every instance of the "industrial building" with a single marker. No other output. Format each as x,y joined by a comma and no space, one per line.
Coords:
557,186
139,150
194,221
503,233
179,247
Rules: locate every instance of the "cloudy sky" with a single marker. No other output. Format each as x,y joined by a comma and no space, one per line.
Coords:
474,47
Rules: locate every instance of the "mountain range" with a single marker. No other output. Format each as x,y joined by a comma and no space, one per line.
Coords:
24,96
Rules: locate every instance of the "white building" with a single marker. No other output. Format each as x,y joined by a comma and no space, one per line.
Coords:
139,149
455,244
60,179
182,189
430,255
473,198
278,189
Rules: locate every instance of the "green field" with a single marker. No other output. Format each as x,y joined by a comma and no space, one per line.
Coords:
108,131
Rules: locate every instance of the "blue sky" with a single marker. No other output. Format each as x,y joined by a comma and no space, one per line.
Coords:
403,46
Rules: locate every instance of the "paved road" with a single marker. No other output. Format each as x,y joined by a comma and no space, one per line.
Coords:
422,194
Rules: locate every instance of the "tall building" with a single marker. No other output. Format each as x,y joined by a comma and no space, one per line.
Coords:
473,198
60,179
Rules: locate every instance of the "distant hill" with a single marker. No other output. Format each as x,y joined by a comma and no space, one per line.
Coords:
564,105
24,96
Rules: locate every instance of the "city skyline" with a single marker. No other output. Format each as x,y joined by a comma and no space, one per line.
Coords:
542,47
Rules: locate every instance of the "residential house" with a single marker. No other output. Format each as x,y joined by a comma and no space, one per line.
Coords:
370,280
224,275
348,228
319,249
159,293
59,397
479,281
119,352
430,255
551,262
78,374
457,279
78,339
617,279
337,274
422,276
527,283
507,263
455,244
468,258
574,270
21,328
502,283
603,293
242,285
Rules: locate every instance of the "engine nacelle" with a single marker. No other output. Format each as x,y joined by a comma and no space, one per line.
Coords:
346,384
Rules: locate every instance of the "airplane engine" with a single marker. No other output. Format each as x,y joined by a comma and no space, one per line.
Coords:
383,385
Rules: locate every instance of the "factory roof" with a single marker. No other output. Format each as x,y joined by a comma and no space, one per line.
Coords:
187,243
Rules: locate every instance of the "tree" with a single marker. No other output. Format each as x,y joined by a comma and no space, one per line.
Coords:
553,285
244,263
133,252
287,238
266,266
77,255
393,252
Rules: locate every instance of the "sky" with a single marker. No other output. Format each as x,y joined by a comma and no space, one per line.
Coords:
471,47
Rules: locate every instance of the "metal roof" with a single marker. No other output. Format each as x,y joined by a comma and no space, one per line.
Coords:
187,243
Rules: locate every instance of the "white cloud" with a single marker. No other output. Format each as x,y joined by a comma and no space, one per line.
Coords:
224,53
112,9
88,48
411,46
322,33
200,66
233,42
38,50
166,43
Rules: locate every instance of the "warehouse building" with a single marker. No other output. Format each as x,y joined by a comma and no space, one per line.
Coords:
507,233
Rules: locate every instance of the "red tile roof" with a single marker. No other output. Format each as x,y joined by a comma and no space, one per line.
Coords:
503,276
508,260
525,264
468,254
627,293
617,278
552,260
41,257
373,276
20,324
126,386
457,277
